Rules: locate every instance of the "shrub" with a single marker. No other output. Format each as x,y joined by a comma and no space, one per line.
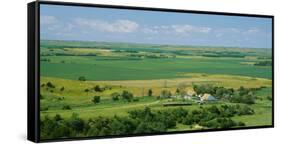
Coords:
62,89
115,96
82,78
243,97
269,98
57,117
50,85
135,99
97,88
96,99
86,90
66,107
76,123
127,95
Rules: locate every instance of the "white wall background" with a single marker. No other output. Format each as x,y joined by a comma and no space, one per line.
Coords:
13,72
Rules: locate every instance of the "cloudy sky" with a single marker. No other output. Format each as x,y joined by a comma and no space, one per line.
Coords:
135,26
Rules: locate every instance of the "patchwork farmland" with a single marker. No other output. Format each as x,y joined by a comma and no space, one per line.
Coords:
102,88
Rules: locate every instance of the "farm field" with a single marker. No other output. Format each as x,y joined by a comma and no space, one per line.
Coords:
95,83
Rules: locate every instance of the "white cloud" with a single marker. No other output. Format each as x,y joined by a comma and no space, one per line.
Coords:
218,35
190,29
227,30
47,20
175,29
149,31
252,31
51,25
121,26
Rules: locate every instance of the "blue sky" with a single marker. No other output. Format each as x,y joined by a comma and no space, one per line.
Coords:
135,26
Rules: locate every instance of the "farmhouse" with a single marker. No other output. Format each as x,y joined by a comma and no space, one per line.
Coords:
207,97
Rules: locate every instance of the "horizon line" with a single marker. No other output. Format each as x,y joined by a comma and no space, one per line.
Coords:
158,44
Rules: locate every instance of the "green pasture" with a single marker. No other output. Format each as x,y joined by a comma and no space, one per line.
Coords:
106,68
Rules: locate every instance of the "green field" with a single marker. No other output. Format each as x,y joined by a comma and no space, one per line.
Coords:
73,73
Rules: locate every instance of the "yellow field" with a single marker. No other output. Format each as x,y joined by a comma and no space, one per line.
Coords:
140,87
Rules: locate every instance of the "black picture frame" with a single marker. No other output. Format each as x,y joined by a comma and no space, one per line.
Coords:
33,106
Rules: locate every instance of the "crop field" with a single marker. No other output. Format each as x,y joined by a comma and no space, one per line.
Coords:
94,82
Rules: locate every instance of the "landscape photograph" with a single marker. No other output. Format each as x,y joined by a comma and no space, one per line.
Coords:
114,72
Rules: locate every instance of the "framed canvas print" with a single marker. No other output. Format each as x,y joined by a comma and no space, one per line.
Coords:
103,71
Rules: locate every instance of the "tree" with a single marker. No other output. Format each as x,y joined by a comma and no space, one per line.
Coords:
201,89
177,91
127,95
57,117
66,107
115,96
150,92
96,99
82,78
197,89
62,89
50,85
76,123
243,91
97,88
247,97
86,90
165,94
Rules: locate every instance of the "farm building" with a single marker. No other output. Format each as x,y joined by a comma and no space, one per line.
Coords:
187,97
207,97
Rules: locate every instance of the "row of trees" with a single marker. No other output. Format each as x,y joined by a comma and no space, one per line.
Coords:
263,63
125,95
98,88
142,121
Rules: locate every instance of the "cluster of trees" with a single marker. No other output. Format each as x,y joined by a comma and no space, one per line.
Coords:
142,121
125,95
154,56
48,85
224,54
53,53
57,127
97,88
263,63
241,95
45,60
214,117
